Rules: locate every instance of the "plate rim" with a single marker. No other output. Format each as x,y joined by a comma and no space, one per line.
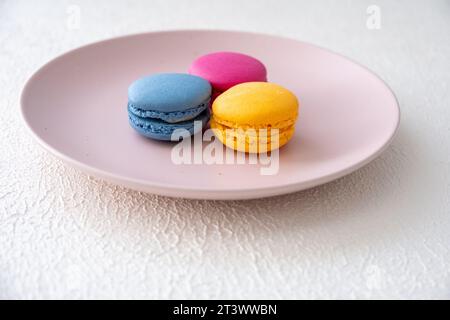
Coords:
172,190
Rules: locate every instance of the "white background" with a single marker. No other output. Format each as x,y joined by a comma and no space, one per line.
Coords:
382,232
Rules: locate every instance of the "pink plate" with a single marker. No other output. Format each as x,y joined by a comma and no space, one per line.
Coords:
76,108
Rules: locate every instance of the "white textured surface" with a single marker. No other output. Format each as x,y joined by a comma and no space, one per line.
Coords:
380,232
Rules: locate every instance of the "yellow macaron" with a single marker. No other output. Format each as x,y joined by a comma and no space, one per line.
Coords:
255,117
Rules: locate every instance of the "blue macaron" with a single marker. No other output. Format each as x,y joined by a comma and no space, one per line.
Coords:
161,103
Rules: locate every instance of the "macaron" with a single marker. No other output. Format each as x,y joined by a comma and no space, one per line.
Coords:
161,103
255,117
227,69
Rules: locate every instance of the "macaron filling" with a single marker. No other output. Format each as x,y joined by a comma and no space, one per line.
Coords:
281,125
169,117
259,134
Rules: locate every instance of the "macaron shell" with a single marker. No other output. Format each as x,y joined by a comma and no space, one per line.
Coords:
226,69
169,92
256,104
170,117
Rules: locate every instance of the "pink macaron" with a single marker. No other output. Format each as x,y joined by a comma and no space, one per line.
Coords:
227,69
